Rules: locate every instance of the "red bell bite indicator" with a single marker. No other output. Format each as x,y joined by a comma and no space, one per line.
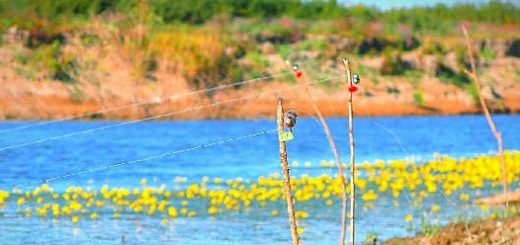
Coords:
352,89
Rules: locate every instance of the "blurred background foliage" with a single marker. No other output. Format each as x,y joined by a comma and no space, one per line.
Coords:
212,40
200,11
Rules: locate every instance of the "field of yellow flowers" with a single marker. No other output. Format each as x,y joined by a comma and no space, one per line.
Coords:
460,181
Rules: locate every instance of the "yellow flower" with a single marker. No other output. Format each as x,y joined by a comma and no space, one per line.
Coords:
274,213
301,214
143,181
217,181
464,197
99,204
484,207
167,194
435,208
212,210
172,212
93,216
369,196
408,218
75,219
21,201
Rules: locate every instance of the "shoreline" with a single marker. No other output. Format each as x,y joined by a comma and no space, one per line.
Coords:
36,120
232,106
490,230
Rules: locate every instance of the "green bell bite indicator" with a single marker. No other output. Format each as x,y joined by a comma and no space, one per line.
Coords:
286,136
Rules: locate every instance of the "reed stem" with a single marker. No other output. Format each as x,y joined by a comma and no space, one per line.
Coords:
286,176
346,64
483,105
341,171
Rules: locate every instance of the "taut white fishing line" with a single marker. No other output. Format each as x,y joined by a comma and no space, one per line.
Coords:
53,138
123,163
138,103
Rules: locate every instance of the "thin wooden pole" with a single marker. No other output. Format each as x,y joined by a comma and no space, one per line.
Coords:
341,172
286,176
483,105
346,64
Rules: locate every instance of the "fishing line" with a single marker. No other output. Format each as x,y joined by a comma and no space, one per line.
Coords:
396,138
138,103
123,163
157,116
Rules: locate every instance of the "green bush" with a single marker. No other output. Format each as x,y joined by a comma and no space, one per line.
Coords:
61,67
392,63
21,58
212,74
418,98
318,44
458,79
257,59
284,50
472,90
432,48
488,54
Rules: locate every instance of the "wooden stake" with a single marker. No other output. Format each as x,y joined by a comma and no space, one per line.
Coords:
286,176
483,105
341,172
346,64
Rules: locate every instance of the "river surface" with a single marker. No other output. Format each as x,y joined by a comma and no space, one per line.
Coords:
81,160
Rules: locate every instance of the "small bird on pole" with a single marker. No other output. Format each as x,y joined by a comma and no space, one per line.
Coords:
289,119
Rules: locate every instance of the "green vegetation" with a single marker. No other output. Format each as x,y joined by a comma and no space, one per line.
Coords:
429,227
21,58
458,79
200,11
393,63
370,239
418,98
516,75
60,66
488,54
472,90
211,41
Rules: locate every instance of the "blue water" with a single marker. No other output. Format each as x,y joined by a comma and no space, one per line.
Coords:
383,138
376,138
387,5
